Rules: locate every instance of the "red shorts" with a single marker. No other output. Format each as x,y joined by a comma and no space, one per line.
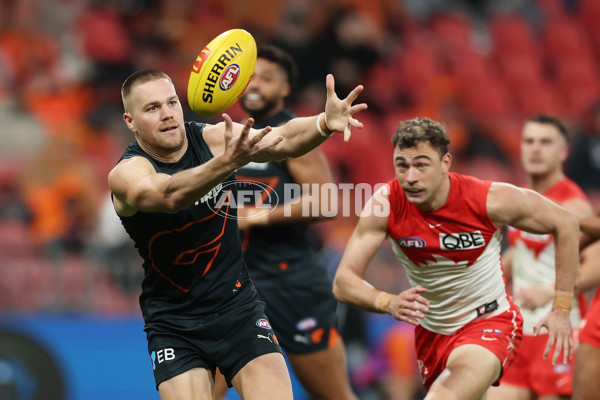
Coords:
589,332
500,334
530,370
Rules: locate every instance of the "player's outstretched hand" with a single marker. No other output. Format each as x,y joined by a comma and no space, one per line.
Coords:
339,113
558,324
245,147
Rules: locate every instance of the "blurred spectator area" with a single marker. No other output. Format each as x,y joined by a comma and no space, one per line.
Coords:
481,67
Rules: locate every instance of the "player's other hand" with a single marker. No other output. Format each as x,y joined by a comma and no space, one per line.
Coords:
339,114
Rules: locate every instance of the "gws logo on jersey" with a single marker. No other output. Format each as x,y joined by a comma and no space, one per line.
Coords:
263,323
229,77
162,355
461,241
411,241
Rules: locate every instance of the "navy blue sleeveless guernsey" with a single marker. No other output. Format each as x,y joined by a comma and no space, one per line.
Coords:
193,263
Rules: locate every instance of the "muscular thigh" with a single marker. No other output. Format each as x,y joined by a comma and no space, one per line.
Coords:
194,384
244,336
323,373
264,377
586,385
501,335
469,372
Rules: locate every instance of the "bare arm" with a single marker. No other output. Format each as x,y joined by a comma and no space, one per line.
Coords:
579,208
310,171
301,134
591,226
535,296
138,187
349,286
529,211
589,271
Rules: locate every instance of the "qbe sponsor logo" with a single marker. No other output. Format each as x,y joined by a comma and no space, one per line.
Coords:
461,241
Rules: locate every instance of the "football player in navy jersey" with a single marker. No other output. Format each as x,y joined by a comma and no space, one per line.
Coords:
172,190
278,248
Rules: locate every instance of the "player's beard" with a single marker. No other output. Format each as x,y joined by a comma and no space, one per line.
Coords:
259,113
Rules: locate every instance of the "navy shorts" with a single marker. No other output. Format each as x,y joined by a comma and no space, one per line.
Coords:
227,340
302,310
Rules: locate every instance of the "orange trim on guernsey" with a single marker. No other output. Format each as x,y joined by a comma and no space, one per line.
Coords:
196,250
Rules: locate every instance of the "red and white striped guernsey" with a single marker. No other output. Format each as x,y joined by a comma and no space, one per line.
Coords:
533,259
454,252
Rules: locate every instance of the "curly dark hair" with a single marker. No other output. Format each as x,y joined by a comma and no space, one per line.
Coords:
414,131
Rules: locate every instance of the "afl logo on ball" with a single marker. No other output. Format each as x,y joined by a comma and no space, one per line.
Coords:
263,323
229,77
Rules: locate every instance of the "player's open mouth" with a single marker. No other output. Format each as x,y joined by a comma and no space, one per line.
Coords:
413,191
169,129
253,97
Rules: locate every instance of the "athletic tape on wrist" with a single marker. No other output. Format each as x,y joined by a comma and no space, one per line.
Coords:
563,293
382,301
562,301
319,126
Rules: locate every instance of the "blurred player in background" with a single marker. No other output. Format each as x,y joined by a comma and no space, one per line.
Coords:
446,230
279,250
586,385
172,190
530,263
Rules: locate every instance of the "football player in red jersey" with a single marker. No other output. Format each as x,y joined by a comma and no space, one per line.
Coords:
529,265
446,230
586,384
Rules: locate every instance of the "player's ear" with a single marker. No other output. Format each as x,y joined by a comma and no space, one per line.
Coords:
446,162
129,122
565,154
287,90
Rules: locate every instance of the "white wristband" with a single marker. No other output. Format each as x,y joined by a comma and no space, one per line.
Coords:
319,125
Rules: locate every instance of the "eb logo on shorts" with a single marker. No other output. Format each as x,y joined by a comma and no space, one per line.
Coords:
167,354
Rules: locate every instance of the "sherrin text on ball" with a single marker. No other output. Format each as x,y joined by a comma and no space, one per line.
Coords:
221,72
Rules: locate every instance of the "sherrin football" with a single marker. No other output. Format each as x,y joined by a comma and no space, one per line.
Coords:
221,72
